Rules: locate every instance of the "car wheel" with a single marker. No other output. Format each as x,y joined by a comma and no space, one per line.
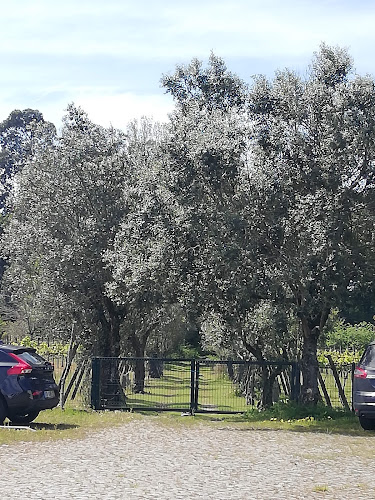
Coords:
24,419
3,410
368,424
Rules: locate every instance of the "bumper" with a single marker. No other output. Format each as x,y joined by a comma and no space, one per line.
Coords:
25,403
364,399
364,409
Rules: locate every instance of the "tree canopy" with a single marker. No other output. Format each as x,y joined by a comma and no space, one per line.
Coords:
314,153
250,214
17,135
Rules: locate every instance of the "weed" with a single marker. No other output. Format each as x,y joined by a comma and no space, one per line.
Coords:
321,488
290,411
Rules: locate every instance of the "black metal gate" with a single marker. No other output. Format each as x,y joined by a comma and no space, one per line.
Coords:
235,386
187,385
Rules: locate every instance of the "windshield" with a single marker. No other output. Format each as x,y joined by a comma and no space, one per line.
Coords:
368,358
32,358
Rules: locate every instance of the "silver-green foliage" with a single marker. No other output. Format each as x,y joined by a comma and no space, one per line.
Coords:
313,181
66,211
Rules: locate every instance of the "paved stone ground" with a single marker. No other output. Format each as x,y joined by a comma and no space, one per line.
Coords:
146,460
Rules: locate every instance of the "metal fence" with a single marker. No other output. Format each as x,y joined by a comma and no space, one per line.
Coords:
335,385
140,383
235,386
190,385
187,385
77,387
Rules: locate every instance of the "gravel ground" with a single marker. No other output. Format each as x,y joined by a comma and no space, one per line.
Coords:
146,460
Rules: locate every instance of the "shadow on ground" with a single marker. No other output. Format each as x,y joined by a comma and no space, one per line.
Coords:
52,427
346,426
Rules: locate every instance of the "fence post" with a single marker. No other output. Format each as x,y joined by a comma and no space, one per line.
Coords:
192,386
196,388
324,389
295,385
352,381
95,384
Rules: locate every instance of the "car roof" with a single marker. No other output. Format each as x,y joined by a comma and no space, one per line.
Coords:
14,348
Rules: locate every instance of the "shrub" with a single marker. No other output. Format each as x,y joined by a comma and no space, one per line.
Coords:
289,411
45,349
339,358
346,337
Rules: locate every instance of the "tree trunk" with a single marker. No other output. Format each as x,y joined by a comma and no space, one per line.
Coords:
267,383
309,364
268,379
110,323
139,346
139,372
111,389
155,367
230,369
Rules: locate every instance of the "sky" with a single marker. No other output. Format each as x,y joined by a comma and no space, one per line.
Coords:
108,56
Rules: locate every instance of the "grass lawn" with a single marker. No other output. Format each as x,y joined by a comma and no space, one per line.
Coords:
62,424
76,424
217,391
170,391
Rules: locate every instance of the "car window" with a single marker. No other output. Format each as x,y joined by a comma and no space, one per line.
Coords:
31,357
4,357
368,358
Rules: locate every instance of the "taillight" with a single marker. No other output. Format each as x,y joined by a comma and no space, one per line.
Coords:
21,368
360,372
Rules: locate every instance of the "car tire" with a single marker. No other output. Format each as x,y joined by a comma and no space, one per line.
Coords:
368,424
24,419
3,410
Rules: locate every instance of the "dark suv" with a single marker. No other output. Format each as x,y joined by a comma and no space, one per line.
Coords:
27,385
364,388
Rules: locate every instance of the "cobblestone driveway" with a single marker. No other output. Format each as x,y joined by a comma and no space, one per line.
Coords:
146,460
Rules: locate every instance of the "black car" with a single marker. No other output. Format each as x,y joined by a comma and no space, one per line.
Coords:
27,385
364,388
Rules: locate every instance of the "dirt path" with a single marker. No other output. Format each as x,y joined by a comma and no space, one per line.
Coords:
146,460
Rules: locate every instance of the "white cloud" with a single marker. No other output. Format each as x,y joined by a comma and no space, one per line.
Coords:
109,57
175,30
120,109
106,109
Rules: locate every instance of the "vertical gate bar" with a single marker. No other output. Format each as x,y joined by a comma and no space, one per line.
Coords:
95,384
196,388
192,386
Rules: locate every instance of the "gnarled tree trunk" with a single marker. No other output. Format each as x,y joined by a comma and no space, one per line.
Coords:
139,346
110,348
269,375
311,329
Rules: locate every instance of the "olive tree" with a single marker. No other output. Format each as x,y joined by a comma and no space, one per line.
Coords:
311,182
68,206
